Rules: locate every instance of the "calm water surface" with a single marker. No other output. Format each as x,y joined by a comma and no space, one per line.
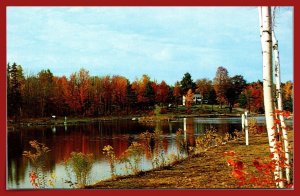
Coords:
92,137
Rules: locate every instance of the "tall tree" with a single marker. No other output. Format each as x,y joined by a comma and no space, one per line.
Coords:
83,86
16,82
221,83
235,87
162,93
131,98
96,98
8,89
144,89
59,103
119,91
31,97
187,83
189,100
203,87
282,128
149,94
252,97
106,94
45,78
287,94
176,93
266,41
71,92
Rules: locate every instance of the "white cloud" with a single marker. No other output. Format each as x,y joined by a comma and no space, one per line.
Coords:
155,40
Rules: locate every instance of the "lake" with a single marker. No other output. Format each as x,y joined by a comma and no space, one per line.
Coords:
92,137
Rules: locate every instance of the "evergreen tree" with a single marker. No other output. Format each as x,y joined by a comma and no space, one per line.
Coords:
149,94
187,83
15,99
8,89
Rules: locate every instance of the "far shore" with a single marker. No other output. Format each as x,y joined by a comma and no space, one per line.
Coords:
61,120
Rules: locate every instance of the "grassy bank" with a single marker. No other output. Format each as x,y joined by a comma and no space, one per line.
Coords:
207,170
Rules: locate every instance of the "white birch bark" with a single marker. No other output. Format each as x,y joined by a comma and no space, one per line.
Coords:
246,129
280,107
266,41
243,122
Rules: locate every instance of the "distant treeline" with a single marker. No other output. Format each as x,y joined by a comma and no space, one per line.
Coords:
81,94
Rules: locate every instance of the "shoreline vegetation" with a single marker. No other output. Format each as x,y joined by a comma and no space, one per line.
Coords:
198,111
208,169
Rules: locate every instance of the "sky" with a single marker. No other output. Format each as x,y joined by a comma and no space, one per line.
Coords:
162,42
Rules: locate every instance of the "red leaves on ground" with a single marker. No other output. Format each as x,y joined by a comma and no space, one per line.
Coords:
239,165
257,165
229,153
230,162
264,174
239,174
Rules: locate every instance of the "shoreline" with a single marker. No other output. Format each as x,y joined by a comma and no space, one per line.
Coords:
78,120
82,120
208,170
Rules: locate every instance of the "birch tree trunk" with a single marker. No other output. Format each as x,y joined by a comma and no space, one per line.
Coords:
280,107
266,41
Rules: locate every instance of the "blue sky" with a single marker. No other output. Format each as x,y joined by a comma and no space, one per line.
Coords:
163,42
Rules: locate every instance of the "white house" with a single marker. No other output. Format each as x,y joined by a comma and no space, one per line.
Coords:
196,98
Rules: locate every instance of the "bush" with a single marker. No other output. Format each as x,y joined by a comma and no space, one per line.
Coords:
108,151
81,165
133,156
38,158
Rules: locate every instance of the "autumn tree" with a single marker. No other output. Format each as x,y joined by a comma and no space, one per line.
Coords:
221,83
162,92
83,86
235,87
252,97
203,87
119,91
176,93
145,92
45,78
106,99
76,91
71,93
59,102
131,98
189,100
139,87
31,97
93,97
287,95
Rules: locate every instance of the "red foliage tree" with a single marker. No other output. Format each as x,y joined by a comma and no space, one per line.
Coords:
254,96
162,92
119,90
